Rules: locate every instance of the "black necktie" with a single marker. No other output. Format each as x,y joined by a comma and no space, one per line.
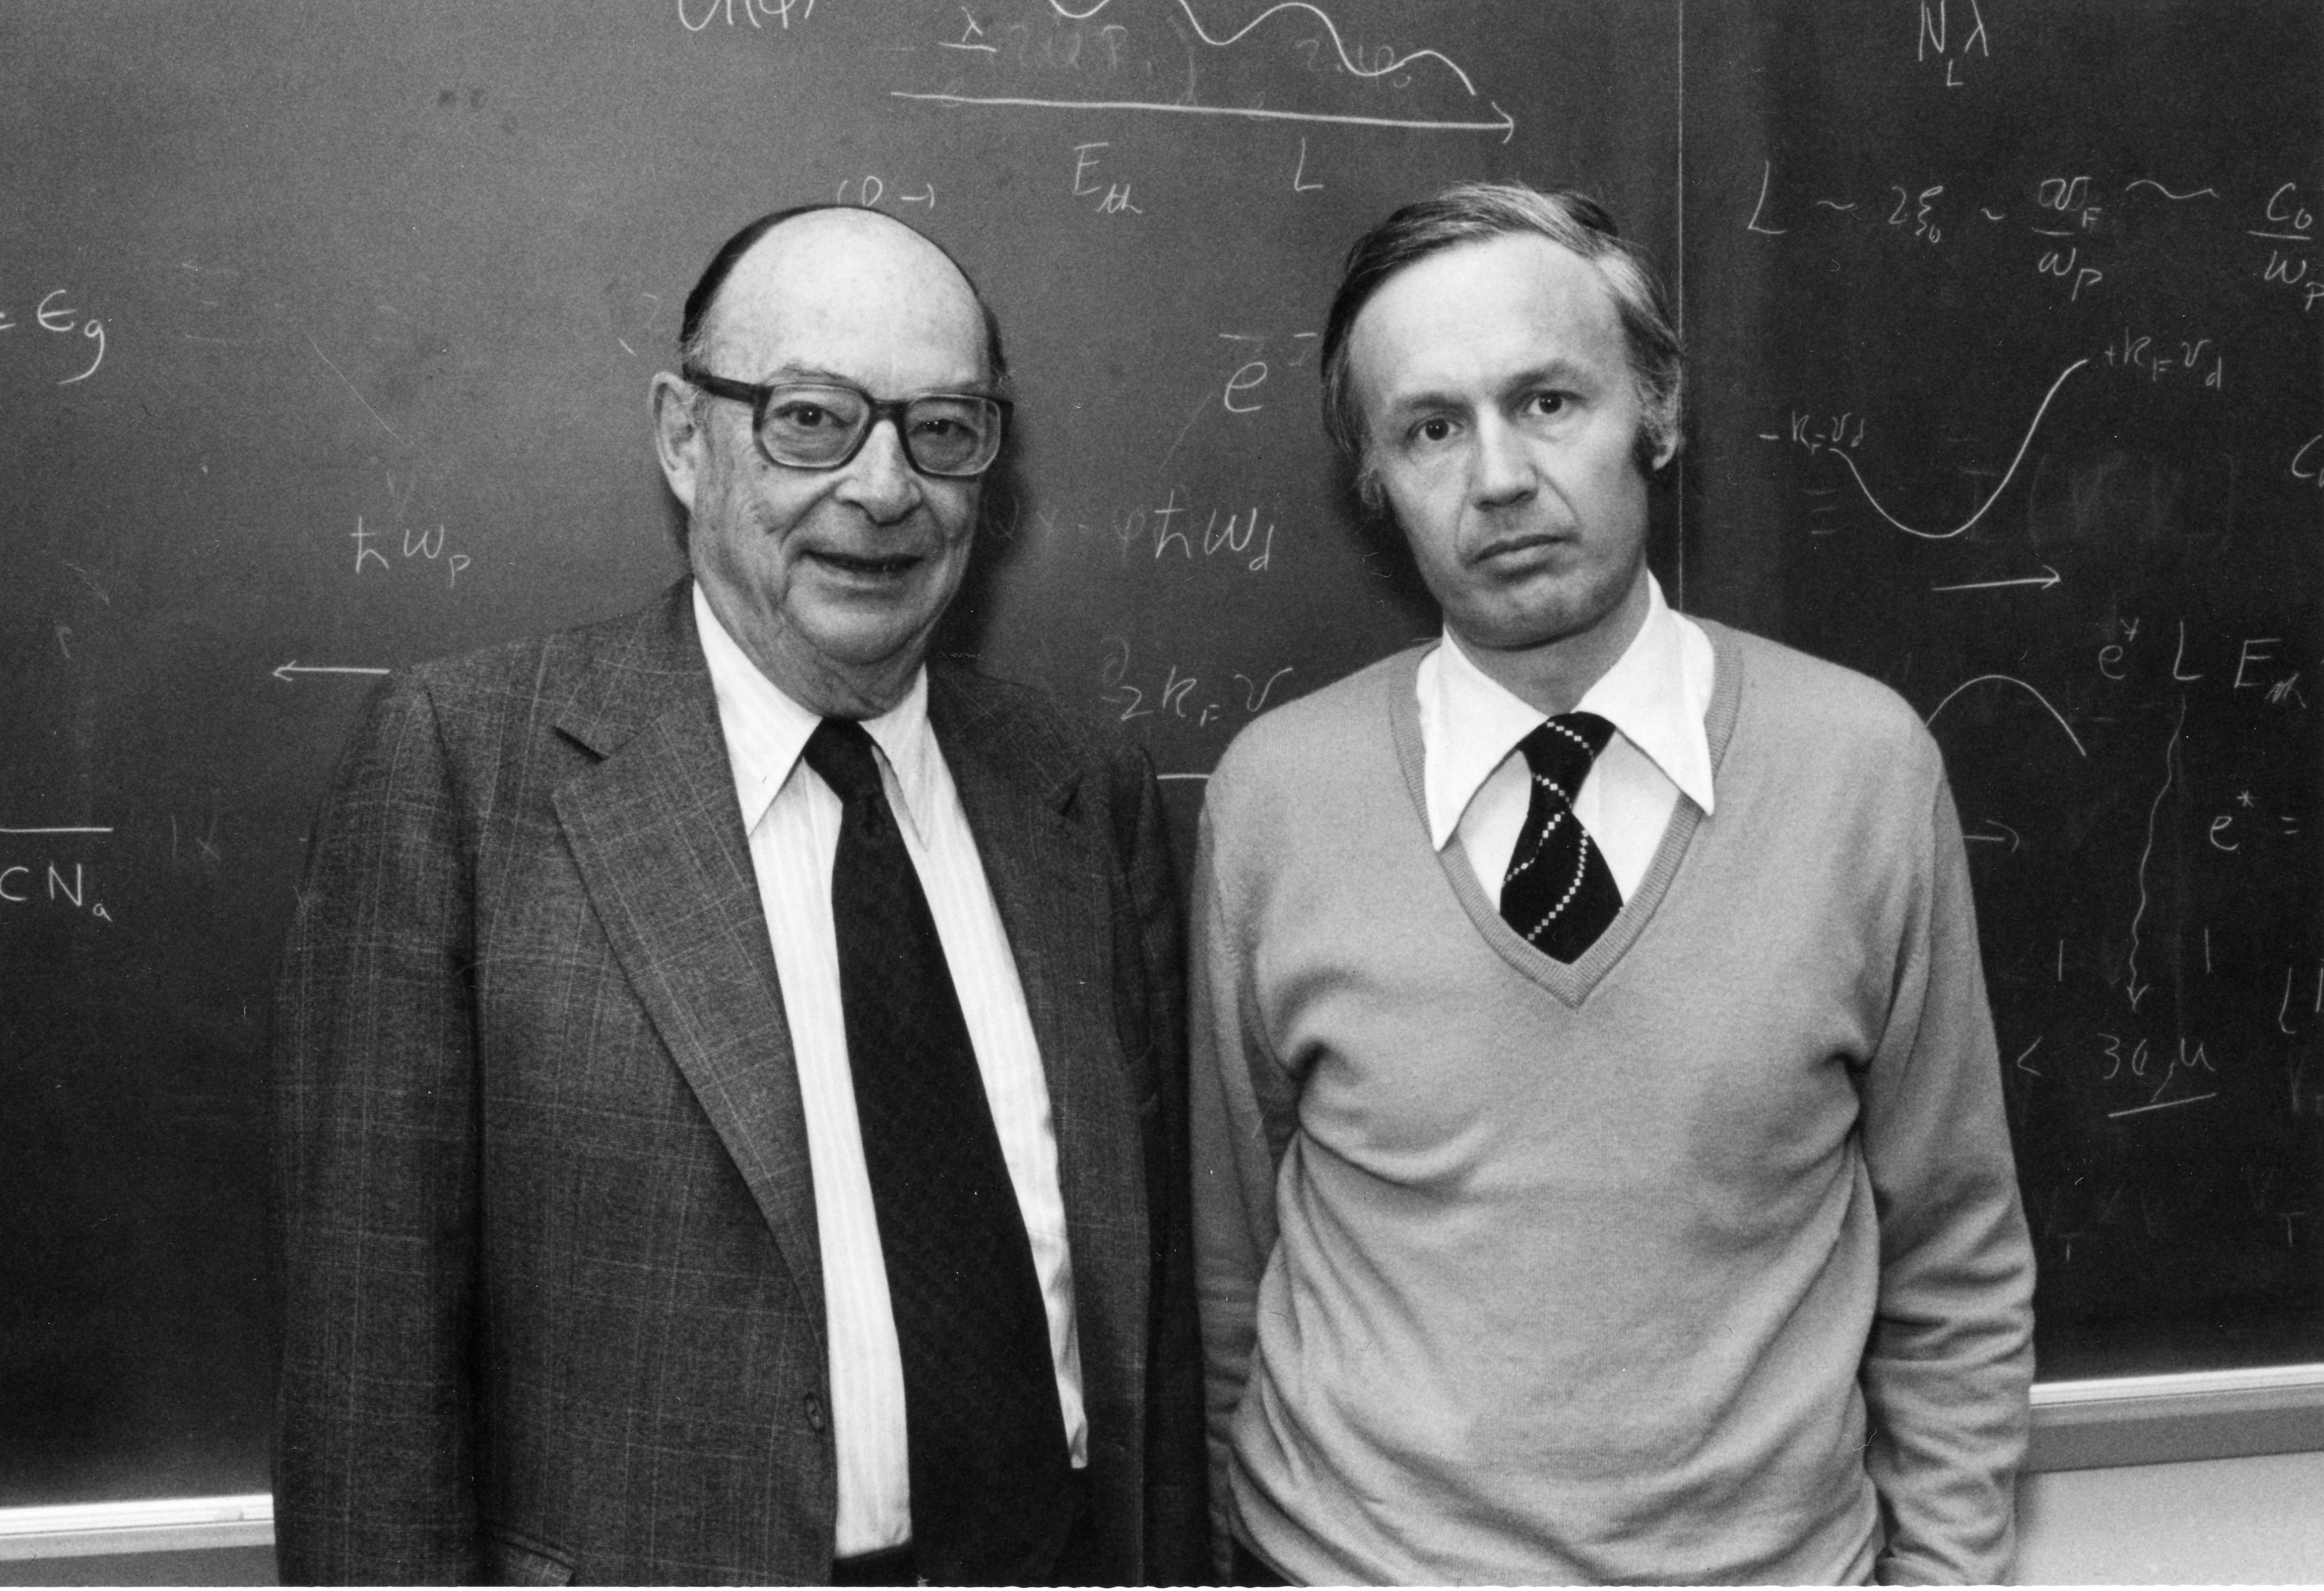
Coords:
1558,892
993,1497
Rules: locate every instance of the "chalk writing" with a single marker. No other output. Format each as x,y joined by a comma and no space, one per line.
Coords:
2201,359
1112,197
58,315
1168,531
779,12
48,884
1934,38
1299,172
870,189
1915,210
426,546
1178,694
1067,47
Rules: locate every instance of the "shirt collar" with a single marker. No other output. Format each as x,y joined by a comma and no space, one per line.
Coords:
1648,695
767,729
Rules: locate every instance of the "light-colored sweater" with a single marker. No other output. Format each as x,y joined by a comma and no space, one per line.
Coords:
1699,1260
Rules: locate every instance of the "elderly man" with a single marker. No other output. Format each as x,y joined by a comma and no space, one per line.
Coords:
1601,1171
729,1115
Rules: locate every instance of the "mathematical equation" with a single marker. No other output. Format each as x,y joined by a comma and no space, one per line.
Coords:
1133,68
2073,219
49,883
57,315
398,545
1176,533
1174,693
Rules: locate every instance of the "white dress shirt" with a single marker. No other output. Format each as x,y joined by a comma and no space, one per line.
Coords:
1478,784
793,820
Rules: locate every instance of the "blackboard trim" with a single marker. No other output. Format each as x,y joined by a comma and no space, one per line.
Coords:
2097,1424
2132,1420
174,1524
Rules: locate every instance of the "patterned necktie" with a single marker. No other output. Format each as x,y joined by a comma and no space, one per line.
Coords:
1558,893
993,1497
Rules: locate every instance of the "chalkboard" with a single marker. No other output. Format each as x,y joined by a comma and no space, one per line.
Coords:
329,332
324,343
2006,331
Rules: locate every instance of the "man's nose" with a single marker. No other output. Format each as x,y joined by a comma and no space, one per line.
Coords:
880,479
1501,468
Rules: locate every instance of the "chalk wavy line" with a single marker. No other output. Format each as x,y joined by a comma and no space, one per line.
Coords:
1991,498
2169,778
2011,680
2166,192
1507,126
1330,27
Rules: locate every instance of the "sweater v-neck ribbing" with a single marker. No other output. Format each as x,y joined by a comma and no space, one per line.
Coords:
1571,982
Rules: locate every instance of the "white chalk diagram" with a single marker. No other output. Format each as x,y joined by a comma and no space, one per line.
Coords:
1434,61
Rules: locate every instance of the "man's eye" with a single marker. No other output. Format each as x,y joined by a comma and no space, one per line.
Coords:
1436,429
801,416
1546,403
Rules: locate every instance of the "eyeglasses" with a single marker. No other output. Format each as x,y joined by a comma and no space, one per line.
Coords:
822,424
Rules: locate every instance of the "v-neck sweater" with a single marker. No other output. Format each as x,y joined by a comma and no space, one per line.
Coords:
1698,1260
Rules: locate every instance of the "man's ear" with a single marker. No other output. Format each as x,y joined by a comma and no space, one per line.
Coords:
678,436
1652,456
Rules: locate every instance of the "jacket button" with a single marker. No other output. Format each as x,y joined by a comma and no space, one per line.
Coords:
814,1416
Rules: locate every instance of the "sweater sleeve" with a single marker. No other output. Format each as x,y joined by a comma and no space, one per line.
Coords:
1947,1371
1233,1170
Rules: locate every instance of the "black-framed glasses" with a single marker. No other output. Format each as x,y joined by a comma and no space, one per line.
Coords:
822,424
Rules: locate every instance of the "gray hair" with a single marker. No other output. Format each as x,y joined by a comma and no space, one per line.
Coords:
1474,212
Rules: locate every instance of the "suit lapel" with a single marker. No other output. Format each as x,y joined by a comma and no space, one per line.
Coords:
657,837
1052,877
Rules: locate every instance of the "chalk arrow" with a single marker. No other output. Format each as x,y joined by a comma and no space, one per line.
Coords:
294,666
2045,581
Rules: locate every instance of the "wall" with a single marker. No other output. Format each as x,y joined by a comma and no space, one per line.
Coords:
2226,1521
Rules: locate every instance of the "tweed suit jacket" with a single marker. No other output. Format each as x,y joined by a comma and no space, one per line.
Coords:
544,1221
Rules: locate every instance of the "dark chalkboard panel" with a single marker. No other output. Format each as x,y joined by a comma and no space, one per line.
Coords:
2007,330
368,298
324,337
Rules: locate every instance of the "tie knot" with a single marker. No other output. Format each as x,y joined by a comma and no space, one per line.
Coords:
841,752
1561,750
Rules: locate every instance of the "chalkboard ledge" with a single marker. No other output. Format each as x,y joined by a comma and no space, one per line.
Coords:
2102,1424
173,1524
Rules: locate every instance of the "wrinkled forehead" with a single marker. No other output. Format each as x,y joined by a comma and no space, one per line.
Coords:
849,293
1463,312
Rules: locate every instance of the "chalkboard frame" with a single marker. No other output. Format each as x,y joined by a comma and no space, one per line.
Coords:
2176,1417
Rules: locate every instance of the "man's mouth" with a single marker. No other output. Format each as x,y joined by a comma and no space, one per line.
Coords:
1529,543
885,568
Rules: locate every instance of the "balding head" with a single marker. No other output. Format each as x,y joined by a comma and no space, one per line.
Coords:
698,324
